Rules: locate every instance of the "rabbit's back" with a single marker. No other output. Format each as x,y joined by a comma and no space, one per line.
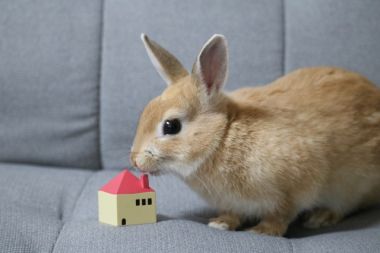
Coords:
338,107
323,89
335,115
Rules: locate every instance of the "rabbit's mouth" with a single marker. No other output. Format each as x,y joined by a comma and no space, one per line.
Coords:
150,167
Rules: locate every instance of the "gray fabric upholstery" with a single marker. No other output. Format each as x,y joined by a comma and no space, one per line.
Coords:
74,77
49,65
343,33
34,203
129,80
55,210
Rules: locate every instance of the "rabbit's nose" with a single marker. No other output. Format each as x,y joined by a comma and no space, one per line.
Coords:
135,163
133,159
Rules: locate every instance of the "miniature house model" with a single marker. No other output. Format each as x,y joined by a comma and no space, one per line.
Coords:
127,200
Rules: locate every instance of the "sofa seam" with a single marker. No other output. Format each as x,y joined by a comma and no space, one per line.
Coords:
284,40
100,81
58,236
291,245
73,209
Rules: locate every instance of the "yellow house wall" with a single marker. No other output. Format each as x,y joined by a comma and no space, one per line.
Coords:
136,214
107,208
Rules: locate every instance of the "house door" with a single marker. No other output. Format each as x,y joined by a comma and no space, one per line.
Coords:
123,222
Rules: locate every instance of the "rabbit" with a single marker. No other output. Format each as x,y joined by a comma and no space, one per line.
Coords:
308,142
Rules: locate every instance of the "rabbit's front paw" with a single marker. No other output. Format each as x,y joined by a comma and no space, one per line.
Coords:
226,221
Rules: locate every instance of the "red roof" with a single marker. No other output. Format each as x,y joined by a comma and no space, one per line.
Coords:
127,183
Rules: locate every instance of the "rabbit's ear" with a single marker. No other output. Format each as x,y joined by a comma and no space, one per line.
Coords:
211,66
170,69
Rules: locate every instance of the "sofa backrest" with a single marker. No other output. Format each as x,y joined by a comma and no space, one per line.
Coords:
49,82
267,38
74,75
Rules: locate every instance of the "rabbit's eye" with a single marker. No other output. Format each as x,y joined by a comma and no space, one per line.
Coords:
172,126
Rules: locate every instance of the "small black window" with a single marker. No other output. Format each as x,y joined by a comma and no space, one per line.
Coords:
149,201
143,202
123,222
137,202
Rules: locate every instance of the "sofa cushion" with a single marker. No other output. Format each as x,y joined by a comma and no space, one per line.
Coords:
50,210
182,216
34,204
49,81
129,80
181,227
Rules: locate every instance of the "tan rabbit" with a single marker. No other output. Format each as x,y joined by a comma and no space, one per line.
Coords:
308,141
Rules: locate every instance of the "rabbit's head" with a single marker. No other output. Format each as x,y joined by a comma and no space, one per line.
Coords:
180,128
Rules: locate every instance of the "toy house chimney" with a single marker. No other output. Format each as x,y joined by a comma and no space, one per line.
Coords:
144,181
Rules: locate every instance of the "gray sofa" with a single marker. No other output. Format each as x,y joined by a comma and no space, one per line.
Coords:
74,77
